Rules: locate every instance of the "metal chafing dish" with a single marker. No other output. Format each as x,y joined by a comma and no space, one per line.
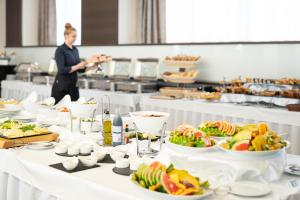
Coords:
117,68
26,71
47,80
103,84
145,76
85,83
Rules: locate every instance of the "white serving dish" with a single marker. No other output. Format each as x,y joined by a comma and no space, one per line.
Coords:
85,148
99,154
82,110
150,125
122,148
70,163
53,117
116,155
61,148
88,161
48,102
122,163
160,195
187,150
73,150
252,153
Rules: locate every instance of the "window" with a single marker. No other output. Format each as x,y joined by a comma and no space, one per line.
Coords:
191,21
68,11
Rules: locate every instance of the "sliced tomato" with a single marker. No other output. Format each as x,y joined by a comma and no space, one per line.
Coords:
198,134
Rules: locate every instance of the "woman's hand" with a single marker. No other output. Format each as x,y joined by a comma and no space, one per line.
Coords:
81,65
77,67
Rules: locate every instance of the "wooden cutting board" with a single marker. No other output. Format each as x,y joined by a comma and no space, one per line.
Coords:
8,143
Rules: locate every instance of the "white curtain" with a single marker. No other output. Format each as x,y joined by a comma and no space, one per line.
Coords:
232,20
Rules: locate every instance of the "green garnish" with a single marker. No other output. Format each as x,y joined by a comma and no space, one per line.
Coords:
28,127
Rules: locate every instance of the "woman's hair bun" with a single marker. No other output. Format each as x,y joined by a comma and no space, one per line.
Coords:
68,26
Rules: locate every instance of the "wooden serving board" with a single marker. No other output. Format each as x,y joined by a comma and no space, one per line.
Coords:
9,143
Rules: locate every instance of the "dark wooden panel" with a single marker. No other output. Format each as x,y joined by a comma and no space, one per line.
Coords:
13,23
99,22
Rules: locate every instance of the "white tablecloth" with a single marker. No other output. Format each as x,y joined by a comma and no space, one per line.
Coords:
20,89
197,111
25,175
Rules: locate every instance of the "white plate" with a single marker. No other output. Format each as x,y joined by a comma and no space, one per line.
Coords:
250,189
24,117
40,145
189,150
252,153
159,195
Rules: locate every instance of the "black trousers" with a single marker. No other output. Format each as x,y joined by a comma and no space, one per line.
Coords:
58,93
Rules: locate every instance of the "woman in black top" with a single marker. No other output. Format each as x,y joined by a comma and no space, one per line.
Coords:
68,64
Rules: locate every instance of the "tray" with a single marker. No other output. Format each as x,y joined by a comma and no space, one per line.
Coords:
12,138
122,171
108,159
9,143
68,155
79,168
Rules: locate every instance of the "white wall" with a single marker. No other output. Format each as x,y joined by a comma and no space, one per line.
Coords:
217,61
2,24
30,22
127,21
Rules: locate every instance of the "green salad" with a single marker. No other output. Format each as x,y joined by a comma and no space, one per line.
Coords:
191,137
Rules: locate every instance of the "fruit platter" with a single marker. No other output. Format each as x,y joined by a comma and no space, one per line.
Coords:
219,129
254,139
188,139
163,182
12,129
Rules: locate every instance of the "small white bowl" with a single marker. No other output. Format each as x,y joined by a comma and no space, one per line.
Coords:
70,163
73,150
122,148
99,154
122,163
61,148
116,155
85,149
88,161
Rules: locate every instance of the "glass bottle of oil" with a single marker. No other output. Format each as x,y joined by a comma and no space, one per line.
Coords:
107,128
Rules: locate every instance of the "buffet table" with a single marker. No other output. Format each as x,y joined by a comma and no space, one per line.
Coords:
25,175
196,111
124,101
